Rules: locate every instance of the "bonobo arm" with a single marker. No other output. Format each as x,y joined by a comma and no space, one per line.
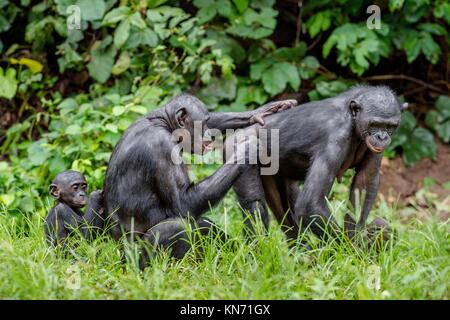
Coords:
236,120
366,180
61,221
178,194
93,216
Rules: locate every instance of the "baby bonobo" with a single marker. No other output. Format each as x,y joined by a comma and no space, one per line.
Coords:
69,189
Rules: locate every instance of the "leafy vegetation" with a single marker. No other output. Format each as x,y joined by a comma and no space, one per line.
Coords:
69,88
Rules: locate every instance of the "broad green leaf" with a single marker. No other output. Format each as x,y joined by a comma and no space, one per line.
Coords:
118,110
8,83
137,21
7,199
37,155
308,67
242,5
73,129
122,33
102,60
111,127
122,64
116,15
277,76
91,9
320,21
421,144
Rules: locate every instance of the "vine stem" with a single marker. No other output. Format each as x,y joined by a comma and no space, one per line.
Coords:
403,77
299,22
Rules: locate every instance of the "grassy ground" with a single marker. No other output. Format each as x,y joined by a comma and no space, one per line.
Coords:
417,266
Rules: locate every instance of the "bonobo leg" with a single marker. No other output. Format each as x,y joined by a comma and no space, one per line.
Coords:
173,234
281,195
250,193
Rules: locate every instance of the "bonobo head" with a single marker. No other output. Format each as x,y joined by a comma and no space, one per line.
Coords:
69,187
187,118
377,113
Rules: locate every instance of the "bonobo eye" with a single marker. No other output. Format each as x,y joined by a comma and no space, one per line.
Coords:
75,187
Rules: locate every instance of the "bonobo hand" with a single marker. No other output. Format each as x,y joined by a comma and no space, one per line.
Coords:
271,107
97,194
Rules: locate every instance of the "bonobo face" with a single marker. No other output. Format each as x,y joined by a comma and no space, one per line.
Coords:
193,118
377,116
70,187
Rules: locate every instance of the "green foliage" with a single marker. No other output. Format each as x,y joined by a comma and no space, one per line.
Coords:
76,90
416,142
439,119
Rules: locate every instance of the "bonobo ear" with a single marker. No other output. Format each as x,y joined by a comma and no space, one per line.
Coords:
354,108
181,116
54,191
404,106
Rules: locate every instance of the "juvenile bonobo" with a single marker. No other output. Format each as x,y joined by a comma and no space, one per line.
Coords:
69,189
148,193
318,142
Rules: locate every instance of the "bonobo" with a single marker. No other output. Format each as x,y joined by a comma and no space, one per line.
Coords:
148,193
69,189
318,142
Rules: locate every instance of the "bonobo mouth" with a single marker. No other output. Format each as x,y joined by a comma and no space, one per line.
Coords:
80,203
372,147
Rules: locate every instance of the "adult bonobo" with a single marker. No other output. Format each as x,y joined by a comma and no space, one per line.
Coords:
318,142
148,193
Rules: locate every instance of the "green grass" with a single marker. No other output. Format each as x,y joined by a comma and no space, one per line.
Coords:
417,266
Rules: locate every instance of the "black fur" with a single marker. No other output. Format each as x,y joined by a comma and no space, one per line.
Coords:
318,142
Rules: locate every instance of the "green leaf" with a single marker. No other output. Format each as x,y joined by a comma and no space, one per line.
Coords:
432,28
443,105
116,15
122,33
8,83
122,63
442,10
308,67
137,21
73,129
91,9
277,76
242,5
257,69
395,5
321,21
111,127
102,60
118,110
421,144
37,155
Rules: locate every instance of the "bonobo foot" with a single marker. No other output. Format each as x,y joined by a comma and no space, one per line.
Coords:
377,233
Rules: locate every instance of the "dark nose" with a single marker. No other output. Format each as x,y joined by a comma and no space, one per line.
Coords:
381,136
